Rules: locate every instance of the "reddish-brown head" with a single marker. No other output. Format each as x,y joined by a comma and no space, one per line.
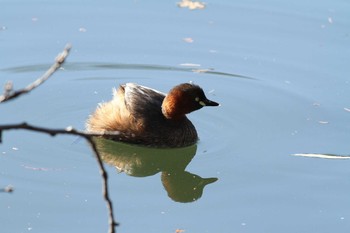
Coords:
183,99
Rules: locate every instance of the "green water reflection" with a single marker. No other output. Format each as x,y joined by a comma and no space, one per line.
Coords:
181,185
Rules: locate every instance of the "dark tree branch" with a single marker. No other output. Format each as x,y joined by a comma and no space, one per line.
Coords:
9,93
111,221
89,137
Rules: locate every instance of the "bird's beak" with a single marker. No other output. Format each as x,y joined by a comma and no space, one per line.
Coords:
207,102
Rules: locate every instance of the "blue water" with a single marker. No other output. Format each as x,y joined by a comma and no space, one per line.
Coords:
279,70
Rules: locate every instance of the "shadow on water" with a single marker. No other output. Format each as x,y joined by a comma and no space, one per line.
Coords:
181,186
80,66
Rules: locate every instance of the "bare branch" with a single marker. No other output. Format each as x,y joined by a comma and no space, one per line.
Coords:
89,137
111,221
9,93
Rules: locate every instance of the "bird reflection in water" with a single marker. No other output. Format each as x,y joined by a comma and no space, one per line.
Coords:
181,186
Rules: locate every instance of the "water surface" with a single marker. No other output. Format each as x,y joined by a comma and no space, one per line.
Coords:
279,71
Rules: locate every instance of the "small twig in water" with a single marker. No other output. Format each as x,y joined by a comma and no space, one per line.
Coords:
7,189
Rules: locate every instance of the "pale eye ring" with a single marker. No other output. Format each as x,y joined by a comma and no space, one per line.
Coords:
196,99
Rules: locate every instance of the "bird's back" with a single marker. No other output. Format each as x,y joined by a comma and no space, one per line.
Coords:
136,112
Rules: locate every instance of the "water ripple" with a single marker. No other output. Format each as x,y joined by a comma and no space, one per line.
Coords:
83,66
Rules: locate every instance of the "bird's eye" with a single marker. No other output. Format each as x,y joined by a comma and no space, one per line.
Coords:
196,99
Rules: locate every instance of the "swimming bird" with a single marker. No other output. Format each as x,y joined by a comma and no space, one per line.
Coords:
149,117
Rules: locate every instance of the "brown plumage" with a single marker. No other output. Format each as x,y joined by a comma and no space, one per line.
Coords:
148,117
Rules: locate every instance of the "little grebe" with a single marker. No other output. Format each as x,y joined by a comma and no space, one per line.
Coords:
148,117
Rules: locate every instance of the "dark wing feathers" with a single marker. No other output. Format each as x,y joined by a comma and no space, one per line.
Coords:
143,101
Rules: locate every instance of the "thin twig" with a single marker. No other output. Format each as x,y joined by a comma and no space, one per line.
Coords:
53,132
111,221
89,137
9,93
